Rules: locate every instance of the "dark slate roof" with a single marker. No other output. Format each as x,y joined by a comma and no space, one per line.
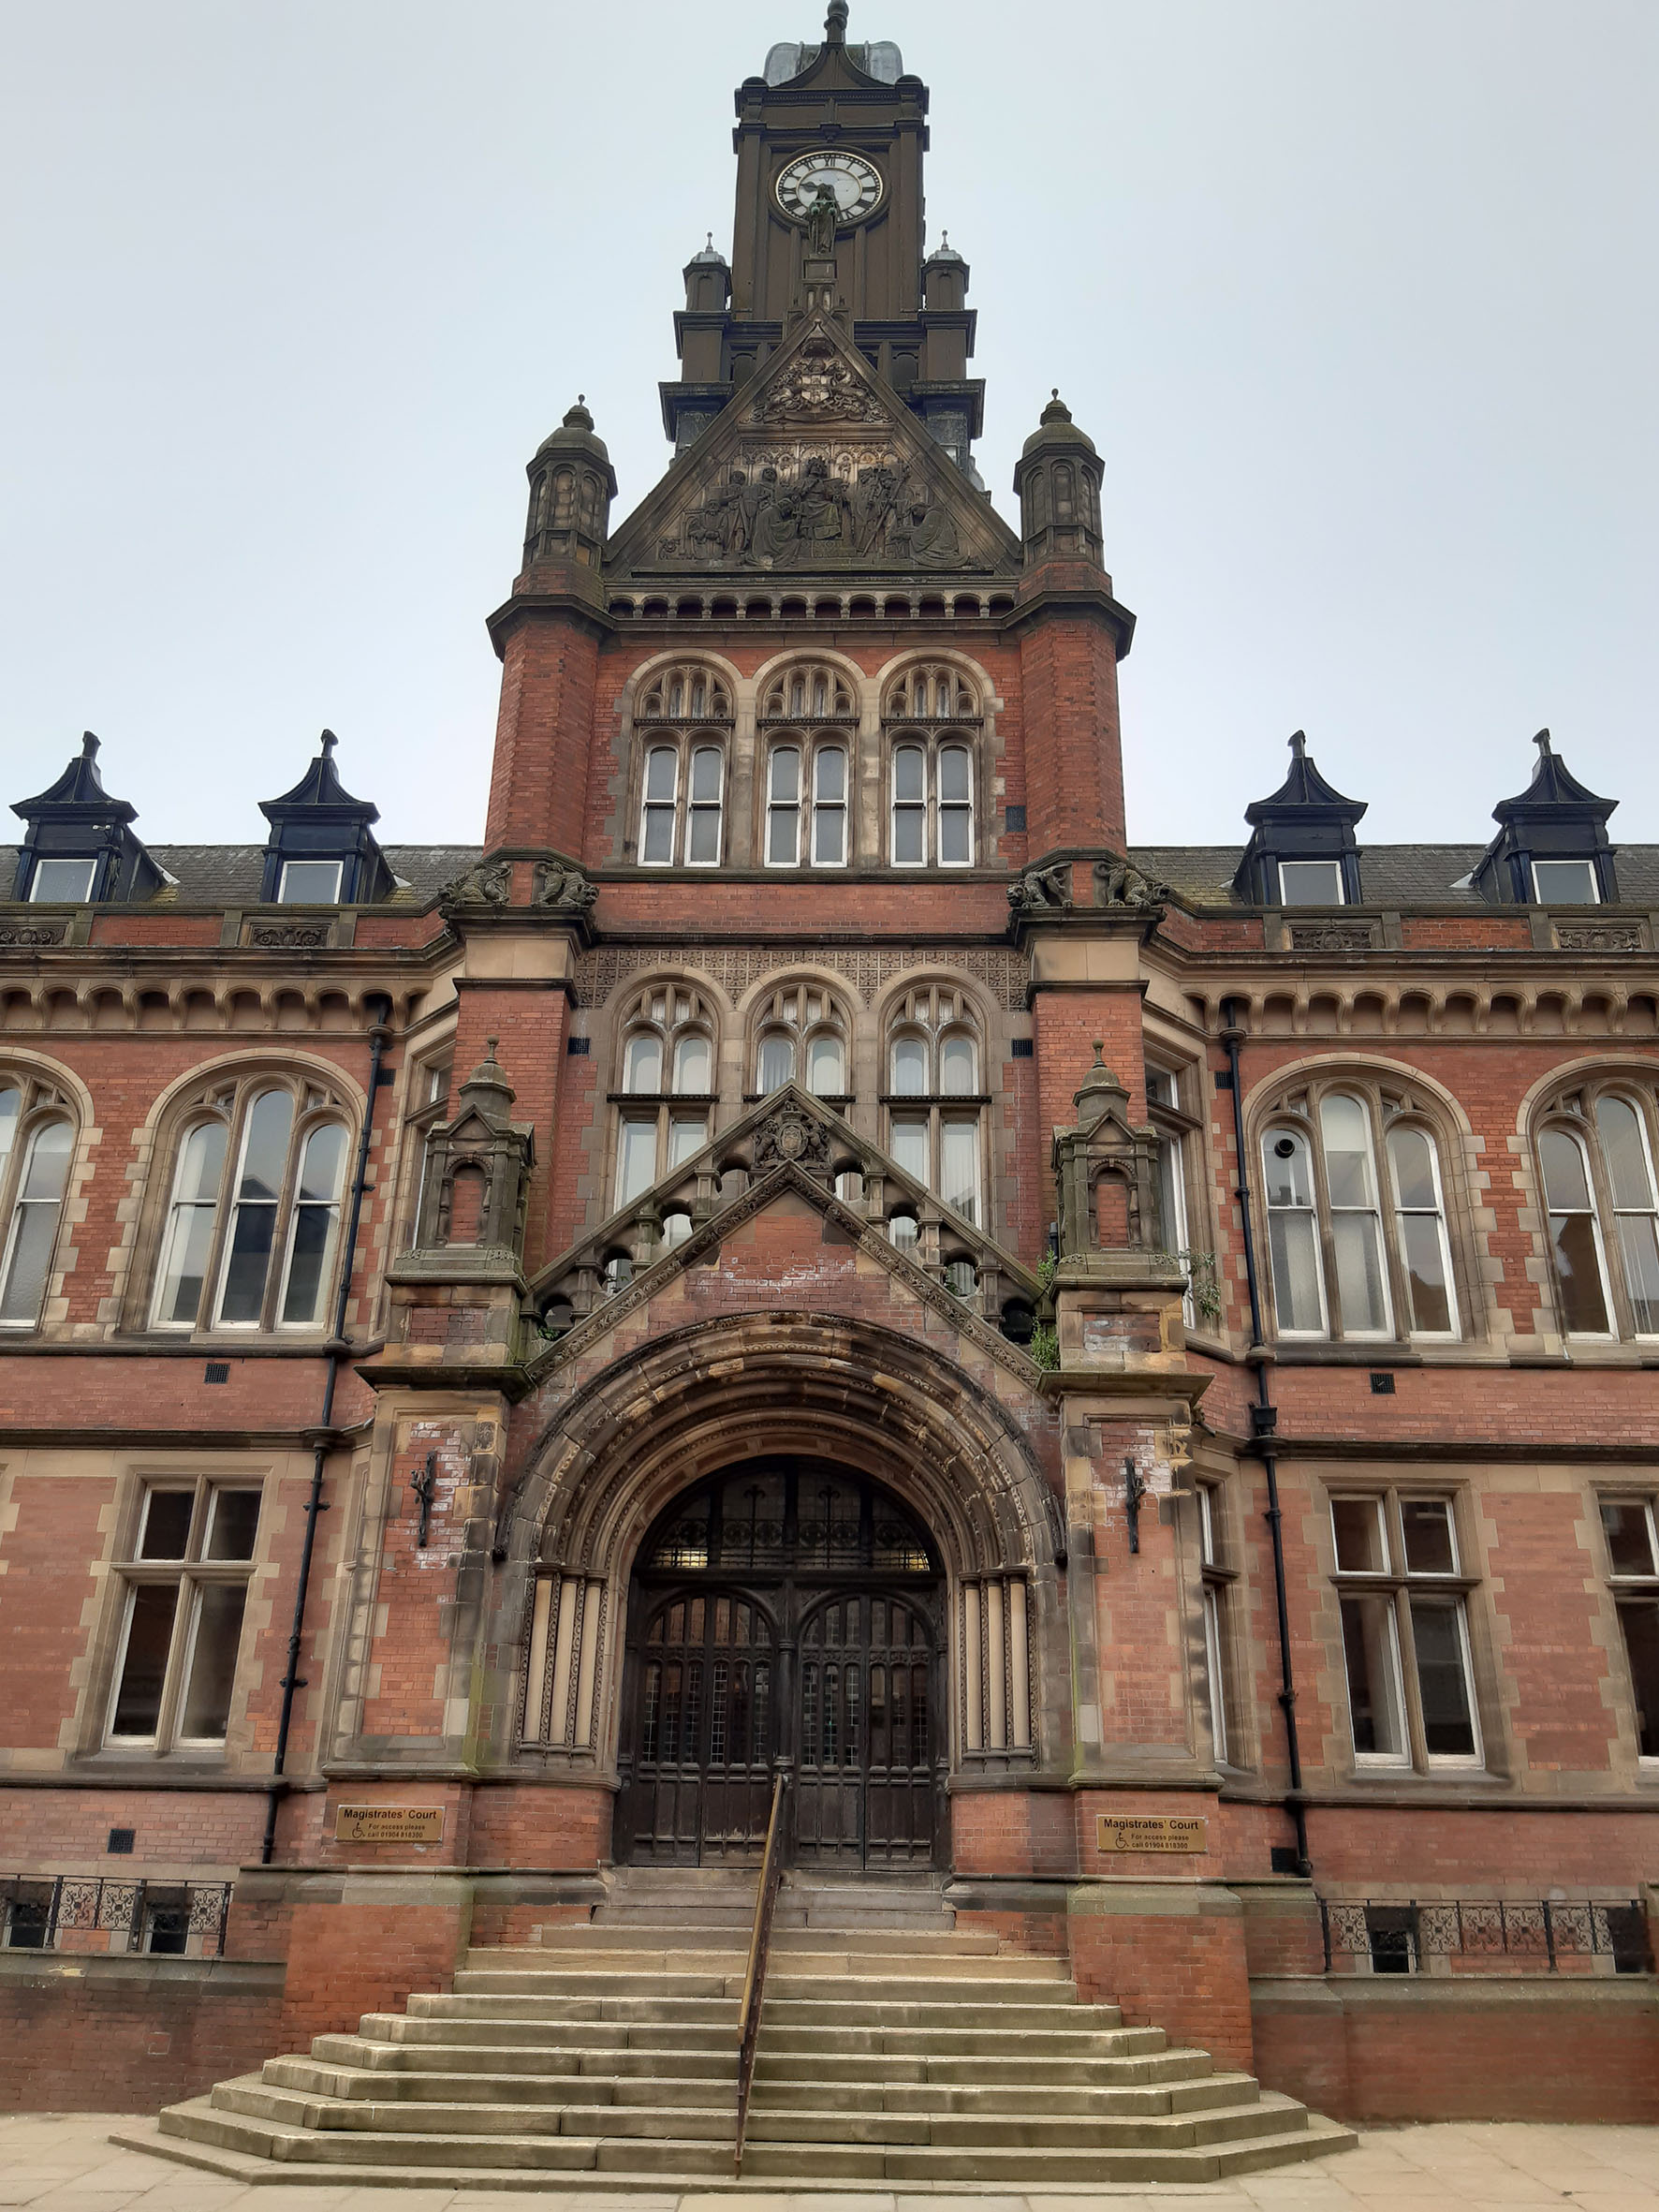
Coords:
230,875
1402,875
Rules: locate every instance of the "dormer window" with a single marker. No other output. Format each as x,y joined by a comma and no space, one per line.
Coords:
1552,847
79,847
1565,883
309,883
65,883
1301,851
1312,883
321,850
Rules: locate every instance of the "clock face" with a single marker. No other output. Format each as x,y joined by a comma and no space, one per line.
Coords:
856,183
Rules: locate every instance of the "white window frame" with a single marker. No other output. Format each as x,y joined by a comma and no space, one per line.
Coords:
1453,1332
1396,1583
1548,1209
694,807
1649,1212
1373,1212
33,1123
842,807
303,1122
189,1576
776,806
1306,1138
65,859
282,888
969,806
648,806
1543,898
1341,883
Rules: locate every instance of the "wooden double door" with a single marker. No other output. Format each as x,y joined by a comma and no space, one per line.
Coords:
784,1616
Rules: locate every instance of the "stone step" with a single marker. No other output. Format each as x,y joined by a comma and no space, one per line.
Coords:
703,2117
597,2078
220,2142
604,2054
675,2083
889,1960
895,1980
630,1939
717,2061
1140,2054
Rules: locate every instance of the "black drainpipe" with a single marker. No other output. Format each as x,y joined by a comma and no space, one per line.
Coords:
337,1348
1264,1421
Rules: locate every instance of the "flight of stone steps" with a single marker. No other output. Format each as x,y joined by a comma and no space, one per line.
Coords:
892,2048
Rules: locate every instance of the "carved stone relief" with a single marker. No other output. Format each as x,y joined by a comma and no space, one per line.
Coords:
1599,936
32,933
1331,936
295,936
735,967
791,502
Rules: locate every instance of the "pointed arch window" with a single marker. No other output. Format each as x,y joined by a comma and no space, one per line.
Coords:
667,1072
251,1234
37,1146
1596,1152
1358,1239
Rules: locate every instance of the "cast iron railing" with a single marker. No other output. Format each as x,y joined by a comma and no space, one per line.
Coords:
180,1918
771,1868
1396,1936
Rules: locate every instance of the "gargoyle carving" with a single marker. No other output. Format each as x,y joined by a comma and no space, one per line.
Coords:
1120,883
563,888
1041,888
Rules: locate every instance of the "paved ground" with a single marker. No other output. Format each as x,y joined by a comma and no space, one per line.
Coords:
68,2164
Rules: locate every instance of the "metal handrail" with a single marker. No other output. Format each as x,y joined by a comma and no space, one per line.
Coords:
759,1944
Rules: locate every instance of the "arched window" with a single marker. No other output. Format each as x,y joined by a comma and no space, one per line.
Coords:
684,715
808,692
668,1082
1596,1150
251,1235
36,1144
807,767
932,715
1359,1245
801,1035
935,1105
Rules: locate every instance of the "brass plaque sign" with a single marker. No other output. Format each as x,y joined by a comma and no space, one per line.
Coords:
388,1823
1149,1832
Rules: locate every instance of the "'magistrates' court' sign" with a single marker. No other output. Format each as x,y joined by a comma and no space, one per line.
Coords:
388,1823
1149,1832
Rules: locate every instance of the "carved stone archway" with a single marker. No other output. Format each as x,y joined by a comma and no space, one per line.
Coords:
760,1384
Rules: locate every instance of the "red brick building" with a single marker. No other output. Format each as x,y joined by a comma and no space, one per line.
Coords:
808,1252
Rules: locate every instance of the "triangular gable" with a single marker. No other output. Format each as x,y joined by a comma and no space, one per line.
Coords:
788,1136
815,467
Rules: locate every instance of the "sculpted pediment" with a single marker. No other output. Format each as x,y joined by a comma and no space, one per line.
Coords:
814,466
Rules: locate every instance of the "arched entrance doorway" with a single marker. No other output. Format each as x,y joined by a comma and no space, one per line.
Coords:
785,1612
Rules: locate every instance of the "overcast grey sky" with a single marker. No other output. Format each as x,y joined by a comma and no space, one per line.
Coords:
1356,297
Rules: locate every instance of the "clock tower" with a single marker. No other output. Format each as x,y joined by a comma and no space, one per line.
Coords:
842,121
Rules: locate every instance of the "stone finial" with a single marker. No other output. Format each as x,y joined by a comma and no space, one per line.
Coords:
835,24
1541,742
